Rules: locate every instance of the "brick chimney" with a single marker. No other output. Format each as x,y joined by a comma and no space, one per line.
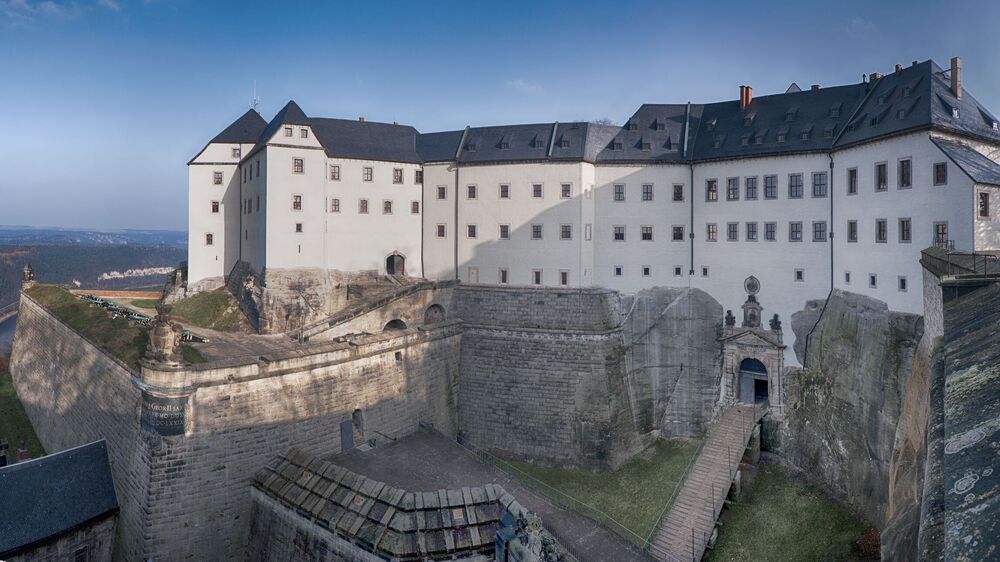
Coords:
814,87
361,119
899,68
746,94
956,77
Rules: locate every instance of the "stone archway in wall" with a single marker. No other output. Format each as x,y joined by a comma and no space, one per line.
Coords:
395,264
753,382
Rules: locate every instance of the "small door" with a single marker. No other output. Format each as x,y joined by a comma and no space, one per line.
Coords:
473,275
346,435
395,265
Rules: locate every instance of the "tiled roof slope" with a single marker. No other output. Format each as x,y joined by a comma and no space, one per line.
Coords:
914,98
978,167
46,497
246,129
393,523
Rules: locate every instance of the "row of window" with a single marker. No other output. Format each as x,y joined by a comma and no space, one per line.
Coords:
368,174
901,283
387,206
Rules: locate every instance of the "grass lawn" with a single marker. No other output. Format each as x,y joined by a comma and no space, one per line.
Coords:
215,310
116,336
149,304
634,495
781,518
14,424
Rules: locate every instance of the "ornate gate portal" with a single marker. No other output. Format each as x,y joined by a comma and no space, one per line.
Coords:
753,357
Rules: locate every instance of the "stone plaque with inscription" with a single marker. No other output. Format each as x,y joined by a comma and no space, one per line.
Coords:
163,414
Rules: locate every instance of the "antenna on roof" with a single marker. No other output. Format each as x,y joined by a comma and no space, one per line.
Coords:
254,100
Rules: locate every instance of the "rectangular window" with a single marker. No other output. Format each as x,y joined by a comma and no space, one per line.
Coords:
236,153
819,231
363,206
676,234
470,192
751,187
566,190
297,165
704,271
418,177
647,271
819,184
536,190
563,277
587,231
367,174
502,277
881,231
940,173
536,232
505,232
335,172
711,232
873,280
852,231
298,228
618,234
442,192
678,192
984,205
619,192
618,270
852,181
217,178
905,167
847,277
881,176
795,186
471,231
288,131
732,189
751,232
711,190
209,239
677,270
386,207
646,233
770,187
304,133
258,203
397,175
733,231
257,165
415,207
536,276
334,205
940,233
647,192
440,231
795,232
504,191
800,275
770,231
296,202
565,232
901,283
215,206
905,231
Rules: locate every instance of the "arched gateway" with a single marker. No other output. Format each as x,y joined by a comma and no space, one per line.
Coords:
395,264
753,356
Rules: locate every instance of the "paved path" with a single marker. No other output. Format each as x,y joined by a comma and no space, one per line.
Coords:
427,461
685,530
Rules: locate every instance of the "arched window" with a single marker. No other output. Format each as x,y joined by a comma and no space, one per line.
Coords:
434,314
395,324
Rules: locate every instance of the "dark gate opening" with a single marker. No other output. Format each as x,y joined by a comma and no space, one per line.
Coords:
760,390
753,381
395,265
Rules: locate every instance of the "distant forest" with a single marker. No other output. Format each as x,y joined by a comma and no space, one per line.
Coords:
84,263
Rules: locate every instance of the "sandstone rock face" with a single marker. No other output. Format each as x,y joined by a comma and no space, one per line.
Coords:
673,360
851,407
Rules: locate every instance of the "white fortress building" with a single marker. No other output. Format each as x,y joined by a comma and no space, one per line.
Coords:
809,190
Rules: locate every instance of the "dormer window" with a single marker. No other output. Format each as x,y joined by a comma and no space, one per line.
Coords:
873,121
748,120
617,145
304,133
907,91
804,135
504,145
745,140
633,126
717,143
661,125
471,147
954,112
835,110
538,143
781,137
790,115
759,139
996,125
646,145
901,114
828,133
563,143
288,131
710,125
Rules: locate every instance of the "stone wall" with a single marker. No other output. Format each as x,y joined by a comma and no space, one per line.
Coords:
409,305
96,539
75,394
844,411
575,310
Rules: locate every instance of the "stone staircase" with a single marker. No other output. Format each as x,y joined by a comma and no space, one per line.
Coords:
686,529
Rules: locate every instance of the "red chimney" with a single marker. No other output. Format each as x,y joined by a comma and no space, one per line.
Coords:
956,77
746,95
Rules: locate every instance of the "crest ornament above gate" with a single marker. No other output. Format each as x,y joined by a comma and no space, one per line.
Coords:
751,285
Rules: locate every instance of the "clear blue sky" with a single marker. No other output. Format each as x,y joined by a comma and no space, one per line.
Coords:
104,101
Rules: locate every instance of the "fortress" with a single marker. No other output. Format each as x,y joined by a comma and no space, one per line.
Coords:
561,293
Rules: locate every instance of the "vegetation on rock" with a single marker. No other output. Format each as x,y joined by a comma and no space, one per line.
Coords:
215,310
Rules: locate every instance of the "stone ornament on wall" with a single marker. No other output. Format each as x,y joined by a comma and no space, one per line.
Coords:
164,338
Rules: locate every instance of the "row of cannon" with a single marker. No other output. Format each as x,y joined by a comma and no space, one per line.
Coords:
118,311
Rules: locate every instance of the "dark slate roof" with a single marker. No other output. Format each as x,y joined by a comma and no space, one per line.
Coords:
46,497
345,138
391,522
439,147
246,129
978,167
515,142
654,133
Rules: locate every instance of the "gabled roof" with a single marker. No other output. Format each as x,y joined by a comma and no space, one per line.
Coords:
47,497
439,147
345,138
978,167
246,129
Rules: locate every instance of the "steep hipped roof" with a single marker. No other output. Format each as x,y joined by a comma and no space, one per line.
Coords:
978,167
246,129
815,120
46,497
